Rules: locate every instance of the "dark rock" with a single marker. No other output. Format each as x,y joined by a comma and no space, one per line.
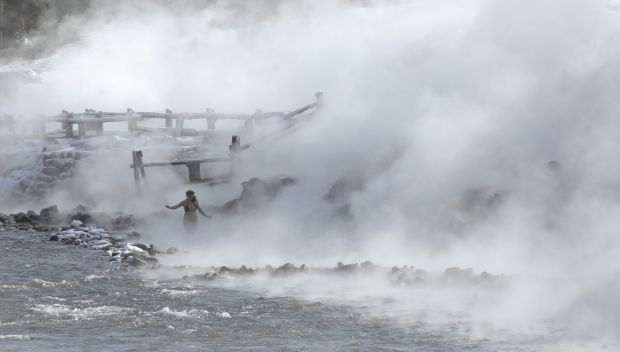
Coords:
80,213
22,218
285,269
347,268
33,216
225,269
154,250
123,222
138,260
243,270
49,214
54,237
368,265
211,275
6,219
255,192
142,246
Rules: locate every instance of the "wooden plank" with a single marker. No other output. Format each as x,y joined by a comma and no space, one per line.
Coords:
181,162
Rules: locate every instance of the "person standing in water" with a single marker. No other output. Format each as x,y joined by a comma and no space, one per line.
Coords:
190,205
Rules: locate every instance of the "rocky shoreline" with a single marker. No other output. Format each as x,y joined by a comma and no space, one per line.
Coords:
118,239
405,276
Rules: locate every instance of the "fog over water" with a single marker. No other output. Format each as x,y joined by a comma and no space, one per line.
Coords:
470,133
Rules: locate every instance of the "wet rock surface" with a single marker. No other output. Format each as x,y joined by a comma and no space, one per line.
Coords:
405,276
255,192
50,219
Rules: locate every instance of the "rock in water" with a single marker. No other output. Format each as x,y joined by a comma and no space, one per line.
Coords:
49,214
22,218
76,224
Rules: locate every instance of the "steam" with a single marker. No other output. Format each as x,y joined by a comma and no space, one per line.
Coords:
444,116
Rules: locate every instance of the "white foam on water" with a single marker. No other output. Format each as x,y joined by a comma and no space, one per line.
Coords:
175,293
59,310
44,283
93,277
14,337
192,313
225,315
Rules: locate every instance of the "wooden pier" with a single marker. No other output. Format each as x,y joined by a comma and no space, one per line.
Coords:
193,165
92,121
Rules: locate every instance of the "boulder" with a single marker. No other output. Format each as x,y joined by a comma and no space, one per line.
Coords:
347,268
49,214
22,218
255,192
6,219
172,250
285,269
80,213
76,224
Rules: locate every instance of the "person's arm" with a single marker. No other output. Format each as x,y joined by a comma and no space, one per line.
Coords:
200,209
175,206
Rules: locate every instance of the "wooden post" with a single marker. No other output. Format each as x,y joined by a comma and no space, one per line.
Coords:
68,125
234,148
81,130
136,174
179,126
132,124
99,125
194,171
168,119
139,156
210,120
319,98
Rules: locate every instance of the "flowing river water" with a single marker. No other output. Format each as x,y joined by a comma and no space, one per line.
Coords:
69,298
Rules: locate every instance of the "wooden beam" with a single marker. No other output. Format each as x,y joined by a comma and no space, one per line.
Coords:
181,162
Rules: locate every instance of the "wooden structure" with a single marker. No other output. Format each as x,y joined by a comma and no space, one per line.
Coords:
91,120
193,165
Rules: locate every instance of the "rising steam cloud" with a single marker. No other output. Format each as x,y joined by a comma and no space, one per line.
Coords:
442,117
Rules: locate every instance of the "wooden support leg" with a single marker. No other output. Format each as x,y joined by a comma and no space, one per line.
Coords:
81,130
168,122
136,174
139,156
194,171
99,128
68,130
179,126
234,148
210,123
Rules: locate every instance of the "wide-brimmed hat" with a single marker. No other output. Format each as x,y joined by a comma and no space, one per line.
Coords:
189,192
